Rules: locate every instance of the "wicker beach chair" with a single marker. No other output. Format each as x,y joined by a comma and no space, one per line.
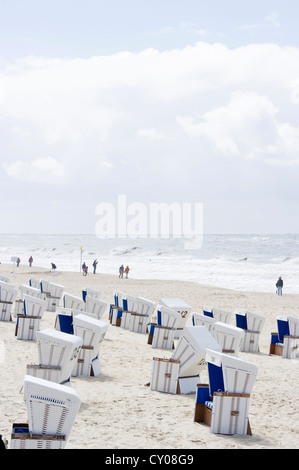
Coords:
285,342
35,283
117,308
95,306
52,409
57,354
186,362
181,307
8,296
252,324
32,291
198,319
164,331
92,331
91,293
54,294
224,402
217,313
229,337
73,302
28,323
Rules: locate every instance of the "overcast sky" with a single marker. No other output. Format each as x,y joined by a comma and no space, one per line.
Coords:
160,100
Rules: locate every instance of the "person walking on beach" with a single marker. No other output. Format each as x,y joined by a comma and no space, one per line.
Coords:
30,261
18,262
279,285
53,268
85,269
127,271
121,271
95,266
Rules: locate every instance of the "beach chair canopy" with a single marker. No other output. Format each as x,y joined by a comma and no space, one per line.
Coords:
191,349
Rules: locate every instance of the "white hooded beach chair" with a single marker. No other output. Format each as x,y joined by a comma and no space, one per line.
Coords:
187,361
130,305
32,291
228,336
224,403
64,320
73,302
252,324
57,354
117,308
35,283
164,331
91,293
96,306
92,331
285,342
181,307
136,313
138,321
52,409
54,296
217,313
8,295
198,319
28,323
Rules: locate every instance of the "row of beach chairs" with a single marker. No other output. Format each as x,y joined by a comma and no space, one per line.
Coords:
52,403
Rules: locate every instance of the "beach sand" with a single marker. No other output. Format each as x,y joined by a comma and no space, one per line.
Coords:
118,410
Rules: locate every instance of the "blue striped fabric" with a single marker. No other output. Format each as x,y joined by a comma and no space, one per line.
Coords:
209,404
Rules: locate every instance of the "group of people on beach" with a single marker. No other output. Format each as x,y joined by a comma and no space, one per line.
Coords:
85,267
123,271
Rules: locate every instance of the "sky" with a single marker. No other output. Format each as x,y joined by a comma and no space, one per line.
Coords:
161,101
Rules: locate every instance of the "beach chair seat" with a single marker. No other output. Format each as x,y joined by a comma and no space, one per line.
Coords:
64,320
252,324
181,307
198,319
52,409
92,331
57,354
231,381
285,342
96,306
73,302
228,336
8,296
95,294
28,323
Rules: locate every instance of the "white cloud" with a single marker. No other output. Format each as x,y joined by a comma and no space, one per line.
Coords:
39,170
99,116
151,133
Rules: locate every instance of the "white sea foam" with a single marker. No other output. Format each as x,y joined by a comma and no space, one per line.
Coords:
245,262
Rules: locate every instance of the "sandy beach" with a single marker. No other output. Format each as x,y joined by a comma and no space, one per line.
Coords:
118,410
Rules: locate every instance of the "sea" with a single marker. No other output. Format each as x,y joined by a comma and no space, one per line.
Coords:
248,262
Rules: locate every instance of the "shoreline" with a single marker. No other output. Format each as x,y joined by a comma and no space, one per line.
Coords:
118,411
38,270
